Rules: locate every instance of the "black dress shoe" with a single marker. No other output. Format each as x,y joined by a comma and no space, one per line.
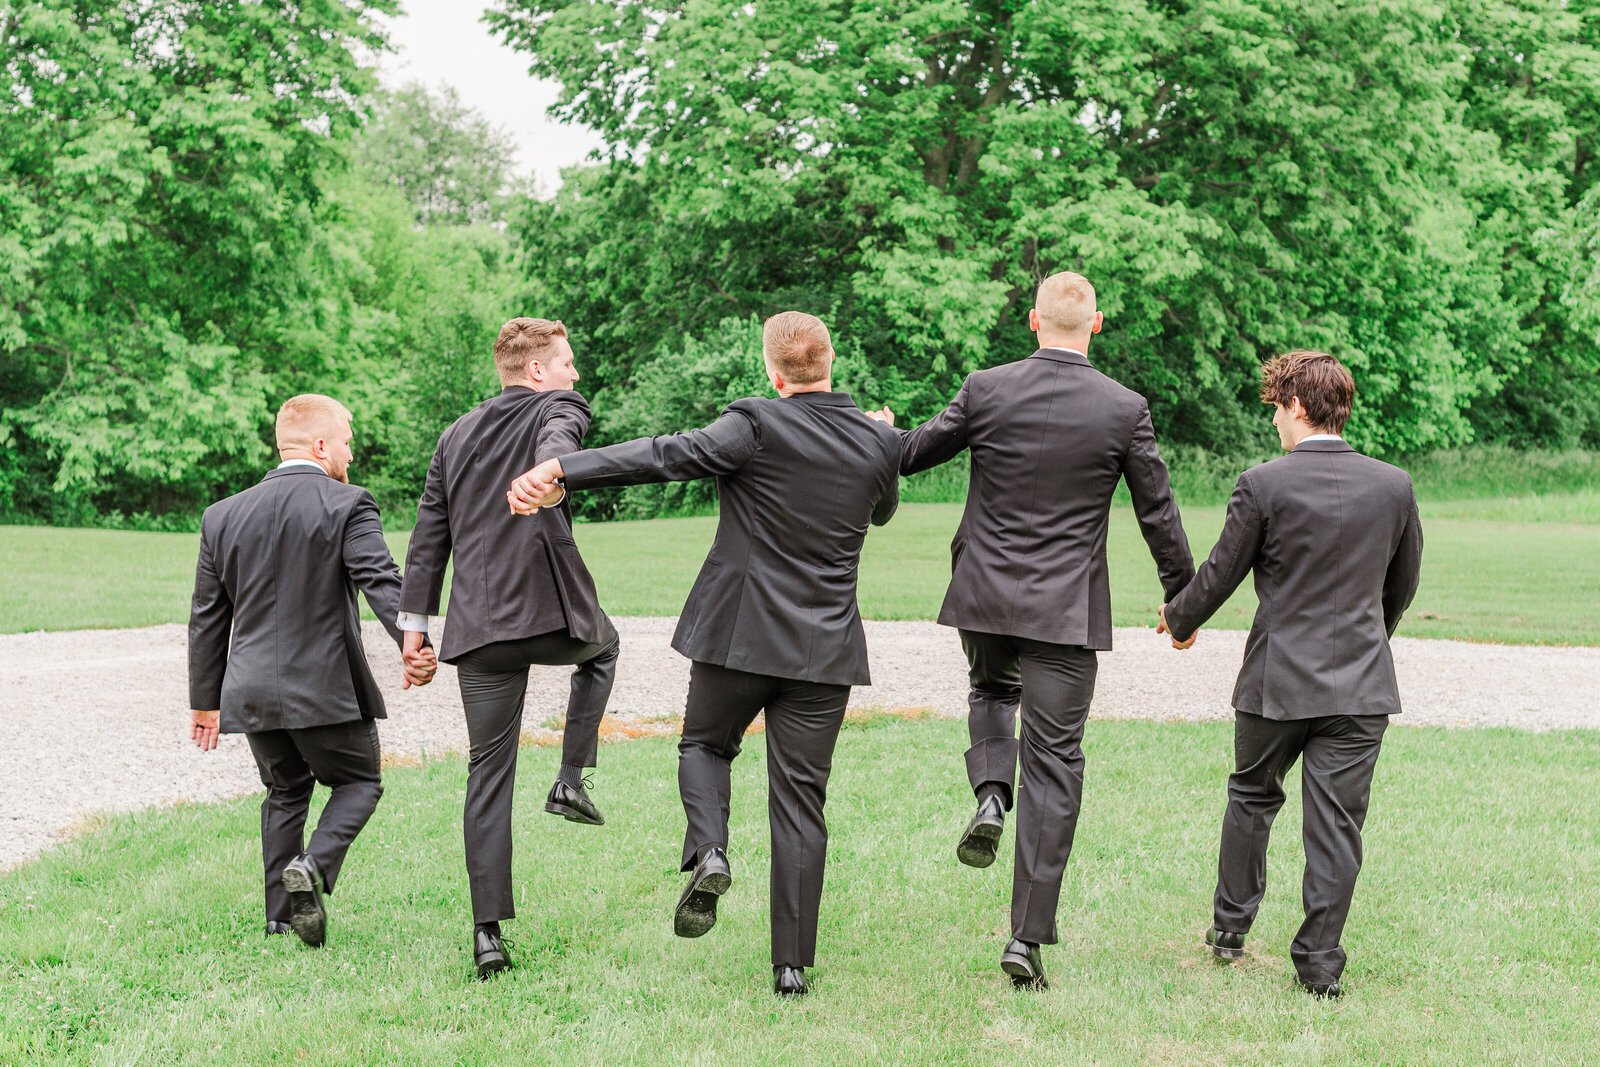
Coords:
275,928
697,907
981,839
1330,990
1225,944
489,953
303,882
1021,960
573,804
789,981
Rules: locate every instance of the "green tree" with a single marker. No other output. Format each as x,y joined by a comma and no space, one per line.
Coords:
161,187
446,159
1238,177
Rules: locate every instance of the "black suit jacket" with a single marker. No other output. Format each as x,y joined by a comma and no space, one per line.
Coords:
279,566
515,575
1336,545
798,481
1049,436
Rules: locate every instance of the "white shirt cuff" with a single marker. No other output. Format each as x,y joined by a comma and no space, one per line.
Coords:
412,622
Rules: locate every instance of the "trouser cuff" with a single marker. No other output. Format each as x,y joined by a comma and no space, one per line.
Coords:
994,760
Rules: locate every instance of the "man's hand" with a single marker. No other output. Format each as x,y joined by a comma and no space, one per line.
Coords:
1162,628
536,488
419,663
883,415
204,729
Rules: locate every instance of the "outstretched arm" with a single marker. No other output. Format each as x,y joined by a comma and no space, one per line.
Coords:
721,448
938,440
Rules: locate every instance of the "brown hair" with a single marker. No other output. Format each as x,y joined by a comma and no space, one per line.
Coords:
1322,383
523,341
304,418
1065,303
797,346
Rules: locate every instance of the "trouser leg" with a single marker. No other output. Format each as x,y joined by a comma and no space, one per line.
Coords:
803,724
344,757
721,705
492,701
1263,752
586,706
1341,754
1057,688
994,670
289,784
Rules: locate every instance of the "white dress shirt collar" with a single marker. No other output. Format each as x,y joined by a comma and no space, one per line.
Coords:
301,463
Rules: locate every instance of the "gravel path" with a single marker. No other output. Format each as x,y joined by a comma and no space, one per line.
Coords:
96,720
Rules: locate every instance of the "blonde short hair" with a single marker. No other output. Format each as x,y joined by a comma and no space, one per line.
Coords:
797,346
1065,303
304,418
524,341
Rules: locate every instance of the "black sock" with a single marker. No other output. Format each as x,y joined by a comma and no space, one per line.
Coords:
573,776
995,789
490,928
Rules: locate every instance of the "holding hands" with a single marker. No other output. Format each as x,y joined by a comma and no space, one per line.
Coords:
419,663
1162,628
536,488
883,415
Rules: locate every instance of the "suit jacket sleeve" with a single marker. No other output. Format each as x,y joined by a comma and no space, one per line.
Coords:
1230,561
718,449
566,421
889,502
210,624
1405,570
369,564
941,438
429,551
1157,512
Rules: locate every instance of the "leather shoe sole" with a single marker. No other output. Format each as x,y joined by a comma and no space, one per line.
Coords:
572,814
980,843
306,917
697,910
1022,971
492,963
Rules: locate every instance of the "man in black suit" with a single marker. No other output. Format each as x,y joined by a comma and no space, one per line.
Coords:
1049,438
278,571
520,595
1336,546
771,623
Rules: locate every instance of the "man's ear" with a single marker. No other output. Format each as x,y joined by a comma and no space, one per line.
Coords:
1099,320
1033,319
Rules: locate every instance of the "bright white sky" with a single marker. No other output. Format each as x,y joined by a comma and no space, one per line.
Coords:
442,42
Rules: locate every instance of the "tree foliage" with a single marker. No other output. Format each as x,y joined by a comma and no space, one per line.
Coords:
183,245
1383,179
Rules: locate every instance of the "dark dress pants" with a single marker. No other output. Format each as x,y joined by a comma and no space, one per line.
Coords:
995,674
343,757
803,721
1339,754
1056,684
494,686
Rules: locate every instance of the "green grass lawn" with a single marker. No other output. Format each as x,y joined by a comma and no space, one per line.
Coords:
1505,569
1473,938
